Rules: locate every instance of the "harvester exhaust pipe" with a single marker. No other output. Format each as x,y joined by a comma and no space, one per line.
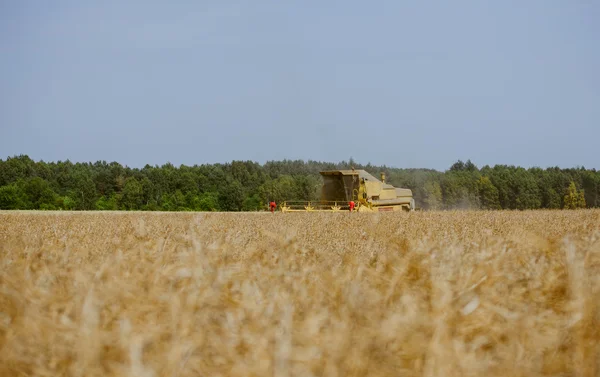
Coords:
382,177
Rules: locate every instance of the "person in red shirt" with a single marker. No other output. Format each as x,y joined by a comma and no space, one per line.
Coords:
351,205
272,206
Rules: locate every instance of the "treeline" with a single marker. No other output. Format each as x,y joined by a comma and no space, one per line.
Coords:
248,186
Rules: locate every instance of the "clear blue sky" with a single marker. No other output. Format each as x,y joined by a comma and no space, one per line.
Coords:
401,83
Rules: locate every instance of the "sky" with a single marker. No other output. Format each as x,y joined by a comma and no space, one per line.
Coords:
408,84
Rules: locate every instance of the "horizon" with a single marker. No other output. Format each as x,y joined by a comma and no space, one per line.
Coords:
359,163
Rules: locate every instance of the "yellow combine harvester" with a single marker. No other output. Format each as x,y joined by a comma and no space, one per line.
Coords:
340,187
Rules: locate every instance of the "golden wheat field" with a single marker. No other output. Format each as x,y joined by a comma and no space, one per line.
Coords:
300,294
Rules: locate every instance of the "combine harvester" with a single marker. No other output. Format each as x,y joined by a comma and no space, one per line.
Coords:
340,187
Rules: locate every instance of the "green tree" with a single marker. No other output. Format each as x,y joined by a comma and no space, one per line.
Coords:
15,168
306,188
208,201
149,200
500,176
551,199
281,189
12,197
488,194
83,192
231,197
39,194
133,194
459,190
252,203
525,190
433,195
67,203
179,201
108,204
591,188
167,202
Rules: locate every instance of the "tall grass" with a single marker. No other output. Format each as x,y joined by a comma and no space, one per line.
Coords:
300,294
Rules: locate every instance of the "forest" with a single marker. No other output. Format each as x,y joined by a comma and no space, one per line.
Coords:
26,184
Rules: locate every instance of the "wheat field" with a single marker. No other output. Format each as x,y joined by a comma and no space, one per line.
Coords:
300,294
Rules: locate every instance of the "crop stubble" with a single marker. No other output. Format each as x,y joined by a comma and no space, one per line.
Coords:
300,294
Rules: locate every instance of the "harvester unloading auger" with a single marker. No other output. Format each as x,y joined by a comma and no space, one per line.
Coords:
340,187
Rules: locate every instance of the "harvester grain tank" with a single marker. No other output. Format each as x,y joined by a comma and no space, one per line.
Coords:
370,194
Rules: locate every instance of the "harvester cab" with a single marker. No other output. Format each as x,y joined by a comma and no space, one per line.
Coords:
340,187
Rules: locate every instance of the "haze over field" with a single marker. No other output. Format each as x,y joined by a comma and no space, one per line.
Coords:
406,84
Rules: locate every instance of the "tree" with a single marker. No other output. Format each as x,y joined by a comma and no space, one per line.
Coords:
433,195
500,176
591,188
525,190
459,190
488,194
306,188
15,168
231,197
133,194
107,204
39,194
281,189
463,166
252,203
551,199
208,201
12,197
67,203
149,201
574,199
83,192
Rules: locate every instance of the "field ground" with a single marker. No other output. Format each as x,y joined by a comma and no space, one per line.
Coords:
300,294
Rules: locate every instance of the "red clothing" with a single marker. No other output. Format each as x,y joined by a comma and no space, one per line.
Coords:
351,206
272,205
